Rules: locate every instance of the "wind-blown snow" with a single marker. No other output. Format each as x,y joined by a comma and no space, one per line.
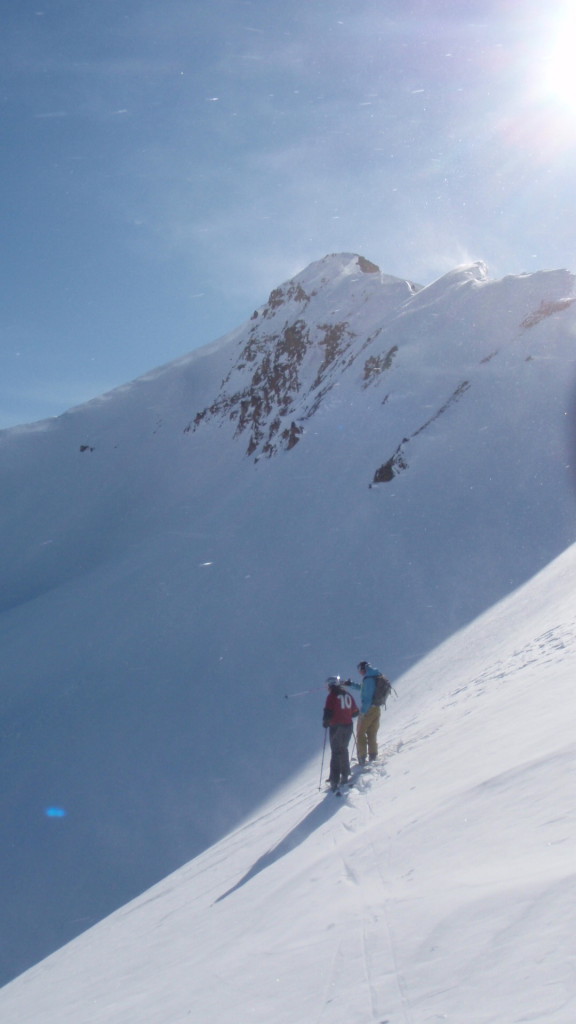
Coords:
357,472
441,889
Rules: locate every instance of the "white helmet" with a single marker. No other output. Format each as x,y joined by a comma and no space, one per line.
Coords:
333,681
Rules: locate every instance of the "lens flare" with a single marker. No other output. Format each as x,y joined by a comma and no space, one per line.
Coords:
55,812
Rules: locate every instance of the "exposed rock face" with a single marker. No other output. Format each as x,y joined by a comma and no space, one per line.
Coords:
297,348
343,323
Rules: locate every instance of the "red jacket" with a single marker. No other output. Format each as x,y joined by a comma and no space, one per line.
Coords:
340,707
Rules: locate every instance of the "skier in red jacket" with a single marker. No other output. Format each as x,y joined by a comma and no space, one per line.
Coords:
339,710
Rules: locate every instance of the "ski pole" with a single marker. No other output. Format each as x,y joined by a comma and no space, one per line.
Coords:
322,764
300,693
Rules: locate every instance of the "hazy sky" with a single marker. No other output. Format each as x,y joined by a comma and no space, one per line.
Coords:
166,163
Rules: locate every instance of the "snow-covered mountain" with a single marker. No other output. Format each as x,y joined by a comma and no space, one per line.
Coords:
441,888
358,471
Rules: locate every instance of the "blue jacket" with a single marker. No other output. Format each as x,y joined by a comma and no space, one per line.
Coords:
367,688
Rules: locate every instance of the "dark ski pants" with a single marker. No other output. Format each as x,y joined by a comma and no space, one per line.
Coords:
340,759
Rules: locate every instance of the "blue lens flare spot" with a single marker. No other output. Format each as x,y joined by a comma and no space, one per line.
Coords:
55,812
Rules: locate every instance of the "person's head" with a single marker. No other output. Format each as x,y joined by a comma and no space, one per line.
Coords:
363,667
332,681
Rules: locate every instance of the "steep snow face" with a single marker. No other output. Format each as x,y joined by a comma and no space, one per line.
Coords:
440,889
357,471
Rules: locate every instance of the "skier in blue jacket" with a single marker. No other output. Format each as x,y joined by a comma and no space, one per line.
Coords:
369,717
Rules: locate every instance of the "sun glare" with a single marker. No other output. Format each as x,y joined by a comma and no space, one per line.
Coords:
560,76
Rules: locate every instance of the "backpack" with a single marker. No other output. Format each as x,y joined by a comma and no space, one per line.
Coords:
382,690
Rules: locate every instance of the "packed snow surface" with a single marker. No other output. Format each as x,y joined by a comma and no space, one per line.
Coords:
440,889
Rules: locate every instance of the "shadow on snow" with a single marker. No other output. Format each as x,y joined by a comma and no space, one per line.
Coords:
297,835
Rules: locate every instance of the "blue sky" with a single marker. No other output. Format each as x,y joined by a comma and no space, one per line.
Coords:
165,164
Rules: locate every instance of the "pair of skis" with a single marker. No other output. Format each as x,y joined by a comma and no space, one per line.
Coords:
344,787
357,769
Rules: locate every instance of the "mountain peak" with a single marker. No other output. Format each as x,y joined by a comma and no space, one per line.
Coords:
312,329
338,267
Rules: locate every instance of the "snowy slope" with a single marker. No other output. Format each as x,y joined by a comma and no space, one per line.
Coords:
358,471
441,889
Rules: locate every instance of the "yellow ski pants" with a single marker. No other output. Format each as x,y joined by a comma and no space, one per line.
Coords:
366,733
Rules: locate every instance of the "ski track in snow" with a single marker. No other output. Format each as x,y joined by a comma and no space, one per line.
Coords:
367,937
